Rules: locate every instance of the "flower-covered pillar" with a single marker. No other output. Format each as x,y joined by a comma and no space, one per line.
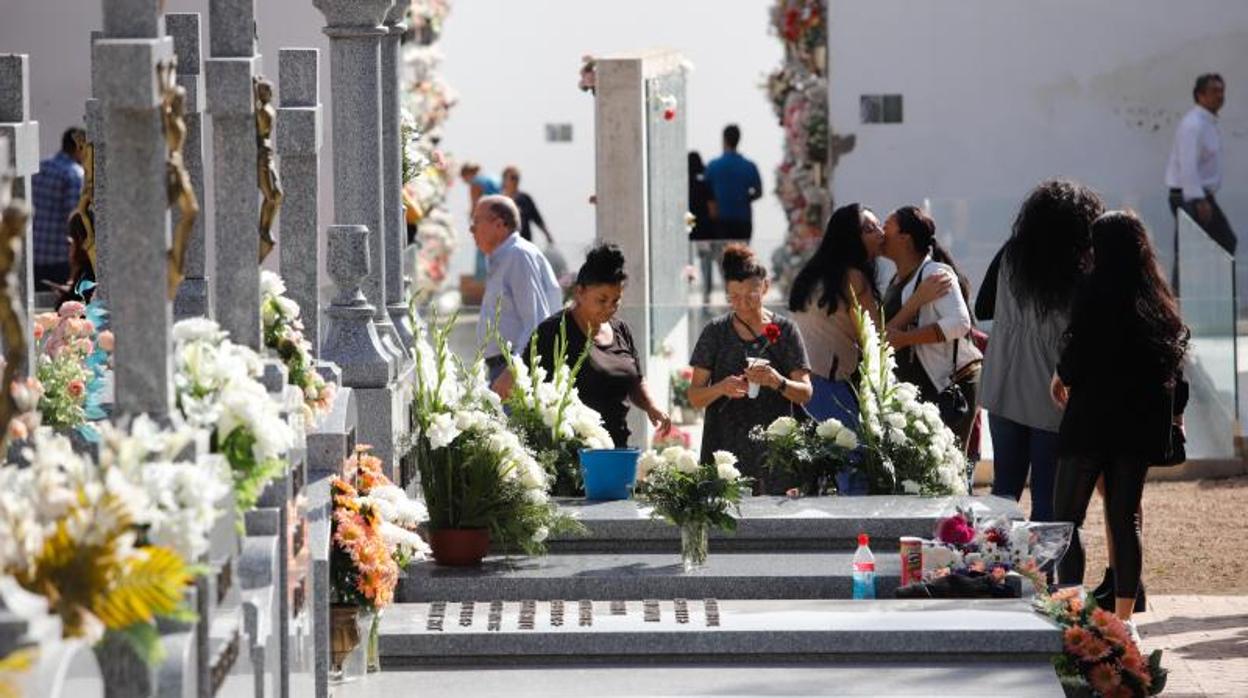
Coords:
426,169
798,91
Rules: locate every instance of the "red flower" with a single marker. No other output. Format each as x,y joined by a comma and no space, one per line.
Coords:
772,332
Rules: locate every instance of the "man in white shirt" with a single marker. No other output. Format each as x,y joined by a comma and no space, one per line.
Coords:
1194,171
520,285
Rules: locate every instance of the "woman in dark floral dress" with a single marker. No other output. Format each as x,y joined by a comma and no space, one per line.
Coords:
721,377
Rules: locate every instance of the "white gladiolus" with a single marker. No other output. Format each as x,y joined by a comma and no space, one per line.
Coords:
442,431
895,420
271,284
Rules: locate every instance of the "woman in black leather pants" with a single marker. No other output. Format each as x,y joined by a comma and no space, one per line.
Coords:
1118,379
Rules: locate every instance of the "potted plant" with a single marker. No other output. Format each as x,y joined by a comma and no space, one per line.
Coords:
692,496
481,484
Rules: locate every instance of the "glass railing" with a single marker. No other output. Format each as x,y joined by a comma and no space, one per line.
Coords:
1207,288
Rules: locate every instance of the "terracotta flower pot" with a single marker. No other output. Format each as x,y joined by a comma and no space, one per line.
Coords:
459,547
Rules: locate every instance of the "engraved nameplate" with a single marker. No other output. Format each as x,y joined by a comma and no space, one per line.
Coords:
225,579
224,661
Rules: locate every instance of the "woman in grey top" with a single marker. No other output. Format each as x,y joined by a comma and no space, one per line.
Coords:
1041,264
721,376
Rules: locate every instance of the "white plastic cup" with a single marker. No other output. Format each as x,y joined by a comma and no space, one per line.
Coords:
751,362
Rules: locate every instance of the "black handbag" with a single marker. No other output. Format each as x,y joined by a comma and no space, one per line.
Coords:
1175,450
952,401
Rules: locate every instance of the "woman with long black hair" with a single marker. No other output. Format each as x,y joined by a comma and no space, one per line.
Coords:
934,348
1119,380
1041,264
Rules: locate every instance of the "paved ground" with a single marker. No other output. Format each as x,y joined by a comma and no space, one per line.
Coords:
1205,641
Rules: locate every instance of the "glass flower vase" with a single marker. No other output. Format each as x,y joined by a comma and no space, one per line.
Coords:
373,654
693,545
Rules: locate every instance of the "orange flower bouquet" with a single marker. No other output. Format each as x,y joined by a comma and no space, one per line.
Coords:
363,571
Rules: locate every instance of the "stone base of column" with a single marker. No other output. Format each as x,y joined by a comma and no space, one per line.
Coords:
392,342
384,422
402,325
193,299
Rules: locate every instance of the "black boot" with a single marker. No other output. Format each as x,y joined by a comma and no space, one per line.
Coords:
1105,590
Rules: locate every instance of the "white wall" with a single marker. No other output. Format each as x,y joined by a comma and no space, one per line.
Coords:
999,94
515,66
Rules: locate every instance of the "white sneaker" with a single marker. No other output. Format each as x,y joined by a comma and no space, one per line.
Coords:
1135,633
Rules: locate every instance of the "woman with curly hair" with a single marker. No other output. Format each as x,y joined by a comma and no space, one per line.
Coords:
748,345
1041,263
1119,380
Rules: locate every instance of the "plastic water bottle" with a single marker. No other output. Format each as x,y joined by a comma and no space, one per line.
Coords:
864,569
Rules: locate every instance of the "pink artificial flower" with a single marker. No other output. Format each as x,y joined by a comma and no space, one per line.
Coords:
106,340
84,346
17,430
686,373
76,388
88,327
46,320
955,530
38,331
71,309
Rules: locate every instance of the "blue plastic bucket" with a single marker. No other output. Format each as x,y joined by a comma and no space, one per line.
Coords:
609,473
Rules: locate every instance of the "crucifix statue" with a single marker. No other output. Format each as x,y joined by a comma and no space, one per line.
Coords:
266,168
13,216
177,180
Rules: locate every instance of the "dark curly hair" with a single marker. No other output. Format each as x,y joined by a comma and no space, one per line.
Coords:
840,250
1126,302
1047,252
740,264
604,264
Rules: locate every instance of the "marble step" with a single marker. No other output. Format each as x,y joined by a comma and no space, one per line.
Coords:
1035,679
791,575
776,523
741,631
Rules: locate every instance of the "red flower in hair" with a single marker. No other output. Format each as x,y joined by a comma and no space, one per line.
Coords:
772,332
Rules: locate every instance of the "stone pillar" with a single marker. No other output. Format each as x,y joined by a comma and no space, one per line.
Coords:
193,298
23,161
99,199
394,223
355,31
351,339
126,59
236,197
299,145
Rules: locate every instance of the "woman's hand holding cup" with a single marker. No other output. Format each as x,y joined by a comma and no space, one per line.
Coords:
733,387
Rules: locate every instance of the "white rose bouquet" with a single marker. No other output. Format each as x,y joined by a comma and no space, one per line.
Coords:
810,453
909,450
692,495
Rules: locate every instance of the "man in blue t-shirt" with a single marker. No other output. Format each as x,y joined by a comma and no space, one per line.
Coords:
735,182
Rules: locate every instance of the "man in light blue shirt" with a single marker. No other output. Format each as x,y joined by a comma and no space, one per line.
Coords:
519,282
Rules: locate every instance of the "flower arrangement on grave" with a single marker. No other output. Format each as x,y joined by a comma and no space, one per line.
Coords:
550,417
680,381
218,389
71,354
908,449
363,569
73,536
283,334
971,556
675,436
691,495
400,515
475,473
1098,652
810,453
180,495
